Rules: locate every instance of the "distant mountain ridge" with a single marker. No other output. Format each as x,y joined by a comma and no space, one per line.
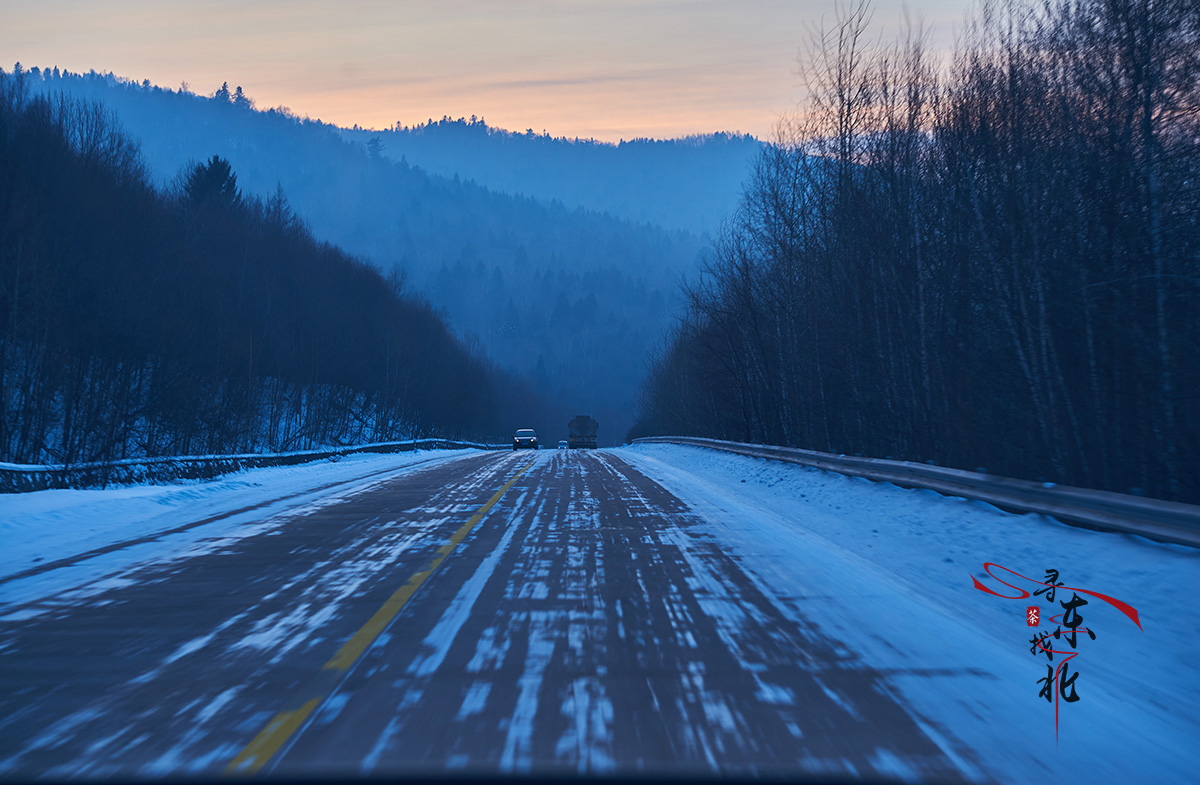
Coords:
689,183
570,298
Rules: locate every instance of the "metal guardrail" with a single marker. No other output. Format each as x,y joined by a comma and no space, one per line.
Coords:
16,478
1172,522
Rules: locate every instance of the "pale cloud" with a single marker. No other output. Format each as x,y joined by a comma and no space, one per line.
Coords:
584,68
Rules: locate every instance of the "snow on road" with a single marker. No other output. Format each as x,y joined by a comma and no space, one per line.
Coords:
887,571
43,527
884,571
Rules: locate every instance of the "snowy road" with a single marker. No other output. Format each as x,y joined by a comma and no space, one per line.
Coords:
657,609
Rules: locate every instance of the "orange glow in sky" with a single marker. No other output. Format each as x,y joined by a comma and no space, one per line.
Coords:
609,69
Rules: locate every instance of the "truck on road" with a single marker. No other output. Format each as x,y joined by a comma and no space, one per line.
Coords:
581,432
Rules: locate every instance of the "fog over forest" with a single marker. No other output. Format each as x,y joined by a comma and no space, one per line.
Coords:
500,238
690,183
1001,242
139,321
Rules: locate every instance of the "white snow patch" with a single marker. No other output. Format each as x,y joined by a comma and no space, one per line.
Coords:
475,700
195,644
371,760
588,738
281,633
216,704
518,742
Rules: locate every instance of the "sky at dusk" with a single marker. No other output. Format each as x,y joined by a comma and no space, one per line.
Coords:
606,69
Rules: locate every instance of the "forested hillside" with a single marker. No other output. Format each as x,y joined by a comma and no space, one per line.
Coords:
202,319
997,268
569,298
690,183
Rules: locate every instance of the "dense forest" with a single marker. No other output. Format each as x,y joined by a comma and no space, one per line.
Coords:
690,183
570,298
995,265
201,319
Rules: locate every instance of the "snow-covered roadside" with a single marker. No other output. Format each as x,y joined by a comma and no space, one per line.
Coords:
887,571
46,526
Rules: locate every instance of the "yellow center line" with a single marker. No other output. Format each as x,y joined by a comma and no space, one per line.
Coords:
264,745
268,742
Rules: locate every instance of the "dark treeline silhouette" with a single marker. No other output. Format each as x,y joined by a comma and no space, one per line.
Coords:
203,320
998,268
499,265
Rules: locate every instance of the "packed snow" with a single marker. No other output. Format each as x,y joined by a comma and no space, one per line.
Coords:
887,571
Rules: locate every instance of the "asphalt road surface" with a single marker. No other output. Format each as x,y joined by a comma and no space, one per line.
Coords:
552,613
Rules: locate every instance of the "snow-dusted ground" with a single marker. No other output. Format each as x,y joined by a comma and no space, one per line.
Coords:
887,571
47,526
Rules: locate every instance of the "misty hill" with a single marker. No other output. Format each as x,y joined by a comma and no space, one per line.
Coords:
568,298
690,183
202,320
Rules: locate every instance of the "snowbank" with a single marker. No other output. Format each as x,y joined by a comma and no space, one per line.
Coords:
23,478
888,572
41,528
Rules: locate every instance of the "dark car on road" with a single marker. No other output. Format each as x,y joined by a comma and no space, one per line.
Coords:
525,439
